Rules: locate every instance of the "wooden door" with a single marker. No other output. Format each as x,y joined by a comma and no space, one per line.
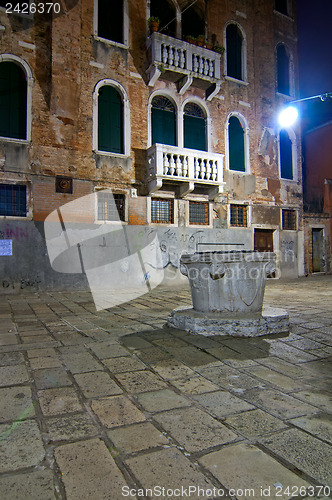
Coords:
317,238
263,240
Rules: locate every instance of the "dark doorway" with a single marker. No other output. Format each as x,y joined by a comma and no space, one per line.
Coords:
317,245
263,242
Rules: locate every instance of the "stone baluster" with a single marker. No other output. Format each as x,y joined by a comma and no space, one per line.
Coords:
178,166
196,168
182,59
171,165
171,51
206,67
211,72
185,166
166,163
165,54
176,57
201,65
195,63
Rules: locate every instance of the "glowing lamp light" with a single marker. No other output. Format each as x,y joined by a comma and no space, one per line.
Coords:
288,116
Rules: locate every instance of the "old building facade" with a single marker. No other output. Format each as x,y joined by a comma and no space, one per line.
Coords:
181,124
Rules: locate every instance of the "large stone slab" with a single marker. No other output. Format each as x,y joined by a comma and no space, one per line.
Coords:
311,455
222,403
115,411
21,446
96,384
168,468
137,437
165,399
271,321
249,472
89,471
194,429
30,486
16,403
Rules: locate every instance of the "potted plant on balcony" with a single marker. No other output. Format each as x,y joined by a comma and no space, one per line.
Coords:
208,45
154,23
218,48
200,40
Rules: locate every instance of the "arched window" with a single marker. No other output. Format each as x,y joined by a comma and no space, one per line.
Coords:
194,127
236,145
163,118
234,43
110,120
282,70
13,101
285,155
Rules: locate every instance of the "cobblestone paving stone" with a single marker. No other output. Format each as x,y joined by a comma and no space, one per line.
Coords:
103,405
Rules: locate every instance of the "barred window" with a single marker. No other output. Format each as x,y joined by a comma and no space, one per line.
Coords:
238,215
111,206
13,200
161,210
288,219
198,213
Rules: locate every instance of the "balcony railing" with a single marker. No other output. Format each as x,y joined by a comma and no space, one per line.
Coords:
173,55
187,166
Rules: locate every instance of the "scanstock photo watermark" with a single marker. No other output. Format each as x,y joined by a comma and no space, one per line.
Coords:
276,491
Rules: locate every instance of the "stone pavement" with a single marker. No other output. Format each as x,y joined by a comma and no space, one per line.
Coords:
104,405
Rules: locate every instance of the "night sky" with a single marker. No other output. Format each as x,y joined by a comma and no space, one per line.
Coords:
315,56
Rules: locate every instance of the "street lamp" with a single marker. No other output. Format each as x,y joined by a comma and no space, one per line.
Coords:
288,116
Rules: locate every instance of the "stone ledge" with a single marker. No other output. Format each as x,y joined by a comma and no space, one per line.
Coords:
271,321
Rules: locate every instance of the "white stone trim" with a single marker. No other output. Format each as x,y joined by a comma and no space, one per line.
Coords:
125,43
243,54
126,117
292,137
30,81
245,127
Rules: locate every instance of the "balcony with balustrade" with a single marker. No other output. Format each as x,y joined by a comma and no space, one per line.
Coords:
183,63
184,170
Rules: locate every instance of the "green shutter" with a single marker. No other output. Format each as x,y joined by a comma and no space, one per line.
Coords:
110,120
236,145
13,101
286,160
194,132
163,126
234,51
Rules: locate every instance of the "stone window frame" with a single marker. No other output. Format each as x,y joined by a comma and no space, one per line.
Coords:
244,71
125,43
169,95
247,216
295,214
100,189
126,118
245,127
291,76
14,180
208,120
167,197
292,137
289,14
198,199
30,80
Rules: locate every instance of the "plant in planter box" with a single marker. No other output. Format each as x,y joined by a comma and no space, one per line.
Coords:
218,48
200,40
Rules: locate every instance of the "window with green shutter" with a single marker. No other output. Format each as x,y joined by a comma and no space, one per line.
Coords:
194,127
234,42
163,121
286,156
282,70
236,145
110,120
110,20
13,101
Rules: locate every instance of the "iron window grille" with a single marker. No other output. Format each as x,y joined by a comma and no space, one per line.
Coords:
111,206
238,215
198,213
161,211
13,200
288,219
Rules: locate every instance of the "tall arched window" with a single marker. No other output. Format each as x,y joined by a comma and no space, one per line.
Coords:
13,101
163,118
236,145
166,13
286,155
234,42
110,120
194,127
283,70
